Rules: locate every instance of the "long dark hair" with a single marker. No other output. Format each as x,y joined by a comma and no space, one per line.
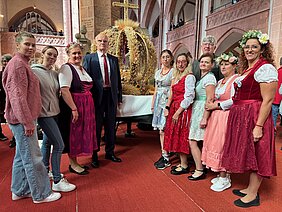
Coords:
170,54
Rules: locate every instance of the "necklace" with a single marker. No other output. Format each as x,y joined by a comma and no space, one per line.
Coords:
224,80
81,69
164,73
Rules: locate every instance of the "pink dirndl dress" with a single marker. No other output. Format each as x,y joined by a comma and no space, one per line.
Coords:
240,152
214,137
83,132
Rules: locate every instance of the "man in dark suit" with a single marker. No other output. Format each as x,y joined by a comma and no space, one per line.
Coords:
107,94
208,46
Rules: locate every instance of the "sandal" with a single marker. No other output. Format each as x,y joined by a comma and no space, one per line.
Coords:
201,177
175,167
182,171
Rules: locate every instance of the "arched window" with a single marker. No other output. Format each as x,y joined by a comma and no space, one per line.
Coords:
34,22
187,12
155,31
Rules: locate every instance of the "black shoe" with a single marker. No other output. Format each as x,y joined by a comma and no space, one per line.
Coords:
95,164
201,177
85,167
84,172
182,171
158,161
240,203
163,164
175,167
3,137
12,143
238,193
113,158
170,154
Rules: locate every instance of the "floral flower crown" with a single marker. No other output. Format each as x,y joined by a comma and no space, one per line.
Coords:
227,57
263,38
72,44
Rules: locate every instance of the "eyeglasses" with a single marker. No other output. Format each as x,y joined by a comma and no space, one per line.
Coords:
102,41
208,44
182,61
252,47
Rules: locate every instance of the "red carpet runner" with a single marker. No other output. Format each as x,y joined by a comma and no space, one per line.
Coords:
135,184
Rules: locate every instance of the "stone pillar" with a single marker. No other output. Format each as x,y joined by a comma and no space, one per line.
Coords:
75,18
3,14
67,21
87,17
161,23
275,29
103,15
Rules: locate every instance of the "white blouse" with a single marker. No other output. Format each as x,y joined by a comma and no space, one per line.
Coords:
266,73
65,75
189,94
219,90
209,79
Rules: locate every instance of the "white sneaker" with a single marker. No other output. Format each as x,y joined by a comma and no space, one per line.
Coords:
50,175
16,197
214,180
63,185
52,197
221,184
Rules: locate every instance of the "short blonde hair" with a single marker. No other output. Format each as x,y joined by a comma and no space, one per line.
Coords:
22,34
72,45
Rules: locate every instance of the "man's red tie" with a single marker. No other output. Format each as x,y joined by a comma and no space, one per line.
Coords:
106,70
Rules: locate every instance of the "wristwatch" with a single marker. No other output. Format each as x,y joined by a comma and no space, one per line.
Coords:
218,104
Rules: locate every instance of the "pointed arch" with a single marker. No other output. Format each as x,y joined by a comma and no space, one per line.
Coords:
17,18
229,41
147,13
180,48
133,15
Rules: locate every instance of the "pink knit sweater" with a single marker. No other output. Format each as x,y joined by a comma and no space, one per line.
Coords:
23,100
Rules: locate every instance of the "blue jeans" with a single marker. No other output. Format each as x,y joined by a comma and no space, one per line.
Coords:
29,173
52,136
275,113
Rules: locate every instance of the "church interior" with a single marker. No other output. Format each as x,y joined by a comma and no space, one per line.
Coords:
177,25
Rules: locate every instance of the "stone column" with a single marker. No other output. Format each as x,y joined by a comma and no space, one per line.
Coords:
67,21
103,15
87,17
75,18
275,29
3,14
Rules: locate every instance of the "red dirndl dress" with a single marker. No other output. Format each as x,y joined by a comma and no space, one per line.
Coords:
176,135
240,152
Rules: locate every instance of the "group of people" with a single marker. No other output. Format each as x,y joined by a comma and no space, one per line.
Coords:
71,105
201,108
219,112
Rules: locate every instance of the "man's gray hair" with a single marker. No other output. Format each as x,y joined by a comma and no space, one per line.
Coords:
209,39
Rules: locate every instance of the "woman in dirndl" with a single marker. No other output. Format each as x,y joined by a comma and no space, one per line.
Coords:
77,117
163,79
249,145
178,111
